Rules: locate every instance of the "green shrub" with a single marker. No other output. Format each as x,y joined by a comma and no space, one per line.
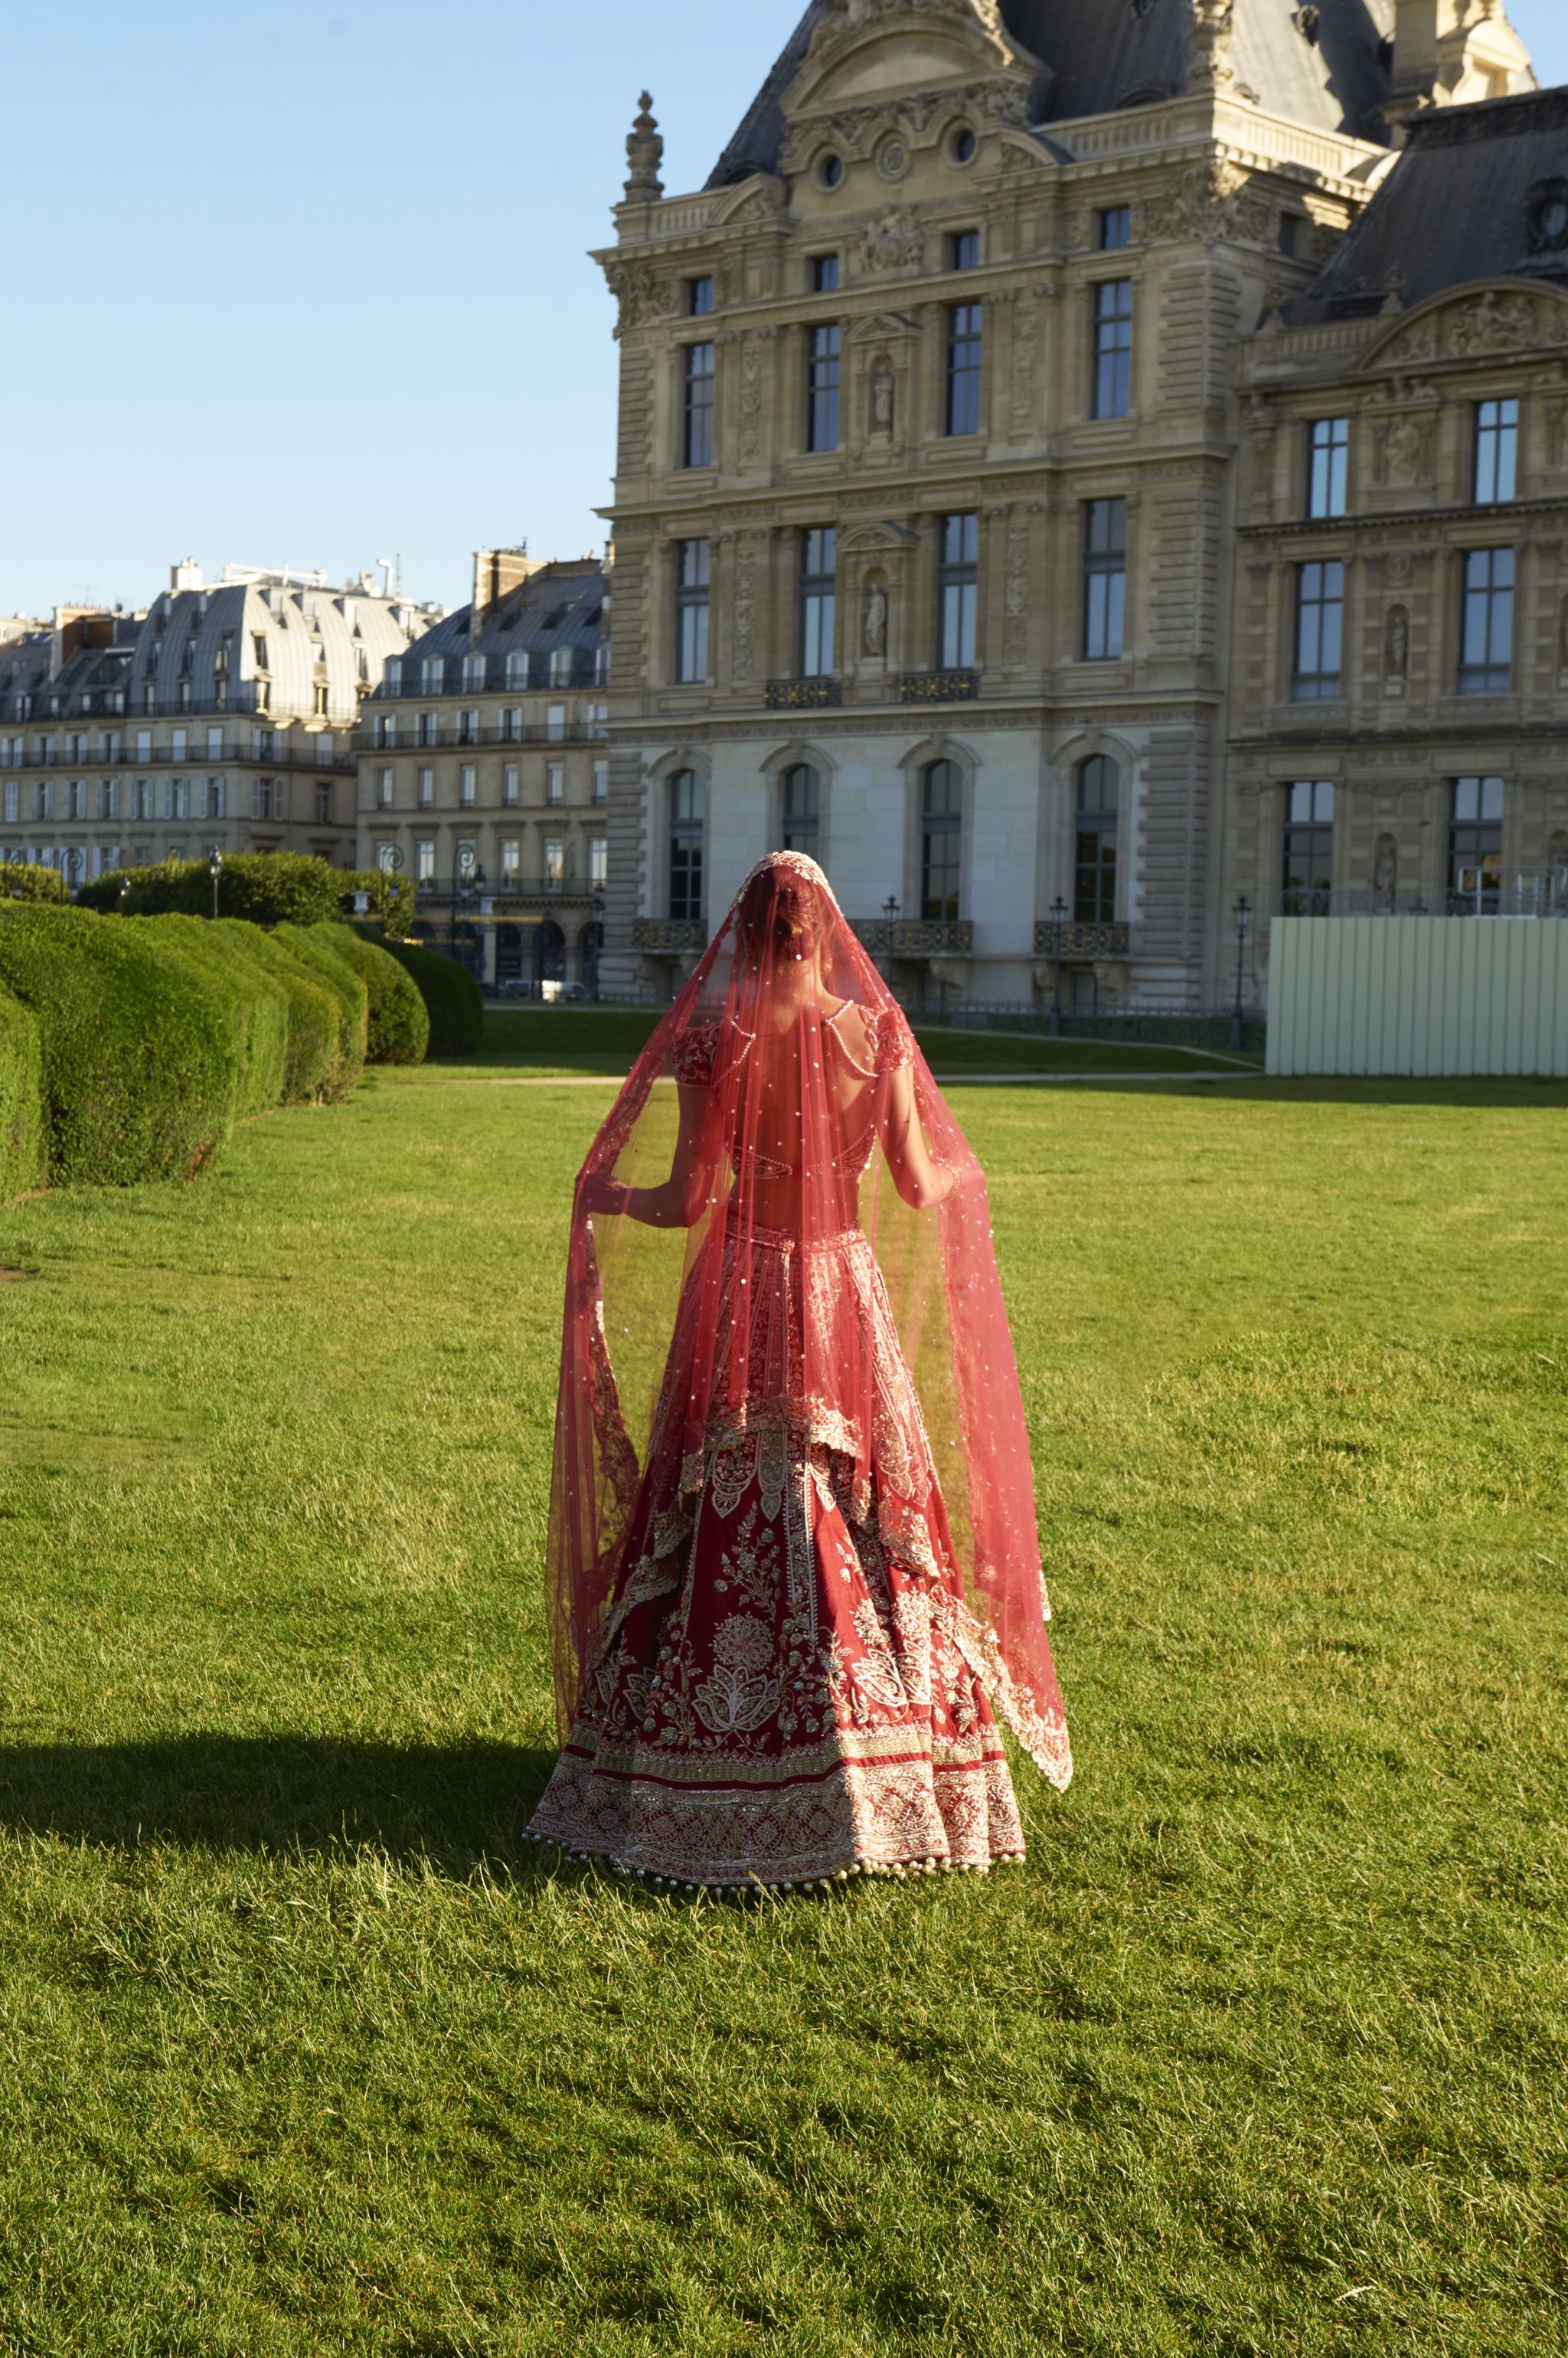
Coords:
105,893
23,880
258,1002
269,888
391,899
21,1100
451,998
139,1070
350,994
311,1067
399,1026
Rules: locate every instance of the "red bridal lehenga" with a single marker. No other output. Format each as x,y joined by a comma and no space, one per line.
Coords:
784,1636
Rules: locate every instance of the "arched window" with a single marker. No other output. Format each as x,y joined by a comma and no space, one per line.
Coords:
1100,813
549,953
686,845
801,819
942,821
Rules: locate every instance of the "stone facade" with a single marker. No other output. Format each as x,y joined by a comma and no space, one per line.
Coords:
221,717
922,299
484,772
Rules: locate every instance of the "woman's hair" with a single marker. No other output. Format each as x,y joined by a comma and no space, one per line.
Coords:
778,911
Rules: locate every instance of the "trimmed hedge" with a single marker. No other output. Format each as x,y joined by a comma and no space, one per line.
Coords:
258,1002
451,994
24,879
399,1023
140,1074
270,888
311,1060
21,1100
348,988
391,898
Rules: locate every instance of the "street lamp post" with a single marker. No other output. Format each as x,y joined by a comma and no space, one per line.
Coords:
1242,914
214,870
1058,921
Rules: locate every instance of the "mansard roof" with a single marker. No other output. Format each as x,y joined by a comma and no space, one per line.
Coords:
1467,200
1100,56
561,605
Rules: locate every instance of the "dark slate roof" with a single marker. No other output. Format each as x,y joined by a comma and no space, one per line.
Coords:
560,606
1455,209
1098,57
88,669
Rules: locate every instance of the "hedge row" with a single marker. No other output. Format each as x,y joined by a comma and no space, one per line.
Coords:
129,1048
269,888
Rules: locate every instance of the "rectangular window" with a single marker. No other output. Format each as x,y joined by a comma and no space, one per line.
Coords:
699,297
144,744
426,789
177,745
555,863
1476,848
512,722
1115,228
468,787
383,791
108,798
957,587
1497,452
825,274
599,719
433,675
691,610
1099,824
144,799
511,859
942,825
473,671
561,666
1319,633
468,729
556,723
598,862
818,600
1113,348
1307,883
822,388
555,784
1105,579
511,791
214,744
323,803
964,249
965,339
78,799
217,799
686,846
13,803
696,434
1328,466
426,729
425,863
601,781
1487,633
178,799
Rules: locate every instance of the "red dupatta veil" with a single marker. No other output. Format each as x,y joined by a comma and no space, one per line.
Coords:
796,1078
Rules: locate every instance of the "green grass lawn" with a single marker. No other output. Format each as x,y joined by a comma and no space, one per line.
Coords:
303,2050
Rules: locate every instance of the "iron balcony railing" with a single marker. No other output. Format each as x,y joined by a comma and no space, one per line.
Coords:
465,894
286,756
951,687
455,740
1519,892
1077,938
915,937
801,694
667,935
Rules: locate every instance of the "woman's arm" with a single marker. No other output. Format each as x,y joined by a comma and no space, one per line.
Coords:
920,1180
679,1203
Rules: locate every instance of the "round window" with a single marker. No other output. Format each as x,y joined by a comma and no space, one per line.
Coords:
831,171
1555,221
964,145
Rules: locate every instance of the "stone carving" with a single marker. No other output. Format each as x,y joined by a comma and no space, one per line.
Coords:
1213,201
1386,869
893,160
1015,593
1399,567
874,631
1562,644
751,428
645,153
1213,29
745,608
1020,382
1404,452
1497,323
1417,345
1396,650
640,291
894,241
881,401
849,15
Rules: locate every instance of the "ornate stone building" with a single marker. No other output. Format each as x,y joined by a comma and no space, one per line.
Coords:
220,717
1399,719
927,470
485,772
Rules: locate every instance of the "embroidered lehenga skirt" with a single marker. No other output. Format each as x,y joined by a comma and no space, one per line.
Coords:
788,1686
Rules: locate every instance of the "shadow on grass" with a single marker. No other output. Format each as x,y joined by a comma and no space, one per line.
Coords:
453,1805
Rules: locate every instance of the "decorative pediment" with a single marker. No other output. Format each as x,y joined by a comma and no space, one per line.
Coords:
884,328
864,51
875,538
1476,323
761,199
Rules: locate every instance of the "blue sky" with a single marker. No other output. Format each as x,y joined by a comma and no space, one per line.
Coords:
307,284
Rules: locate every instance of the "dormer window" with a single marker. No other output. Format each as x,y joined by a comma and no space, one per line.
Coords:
258,648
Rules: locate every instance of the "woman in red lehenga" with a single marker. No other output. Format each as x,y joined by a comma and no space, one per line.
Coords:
782,1644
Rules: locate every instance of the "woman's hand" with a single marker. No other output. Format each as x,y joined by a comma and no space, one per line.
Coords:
600,1193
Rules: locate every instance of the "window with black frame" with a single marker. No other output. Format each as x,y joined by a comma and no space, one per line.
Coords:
1497,452
1328,466
686,802
818,600
1105,579
697,435
965,338
1319,633
800,814
958,585
822,368
1099,820
942,825
1113,349
1476,848
1487,622
692,583
1307,880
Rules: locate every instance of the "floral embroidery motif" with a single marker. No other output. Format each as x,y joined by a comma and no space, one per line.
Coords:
738,1694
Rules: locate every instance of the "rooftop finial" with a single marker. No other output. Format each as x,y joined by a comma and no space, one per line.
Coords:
645,153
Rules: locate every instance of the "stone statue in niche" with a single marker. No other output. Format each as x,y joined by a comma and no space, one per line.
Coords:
1396,650
874,635
1403,450
1385,869
881,399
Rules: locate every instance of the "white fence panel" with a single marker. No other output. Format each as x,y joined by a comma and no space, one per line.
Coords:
1423,995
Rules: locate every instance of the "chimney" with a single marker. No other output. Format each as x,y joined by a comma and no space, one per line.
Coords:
1454,53
496,573
186,575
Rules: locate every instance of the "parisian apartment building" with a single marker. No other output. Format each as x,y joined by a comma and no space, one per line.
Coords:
221,717
484,772
1069,470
